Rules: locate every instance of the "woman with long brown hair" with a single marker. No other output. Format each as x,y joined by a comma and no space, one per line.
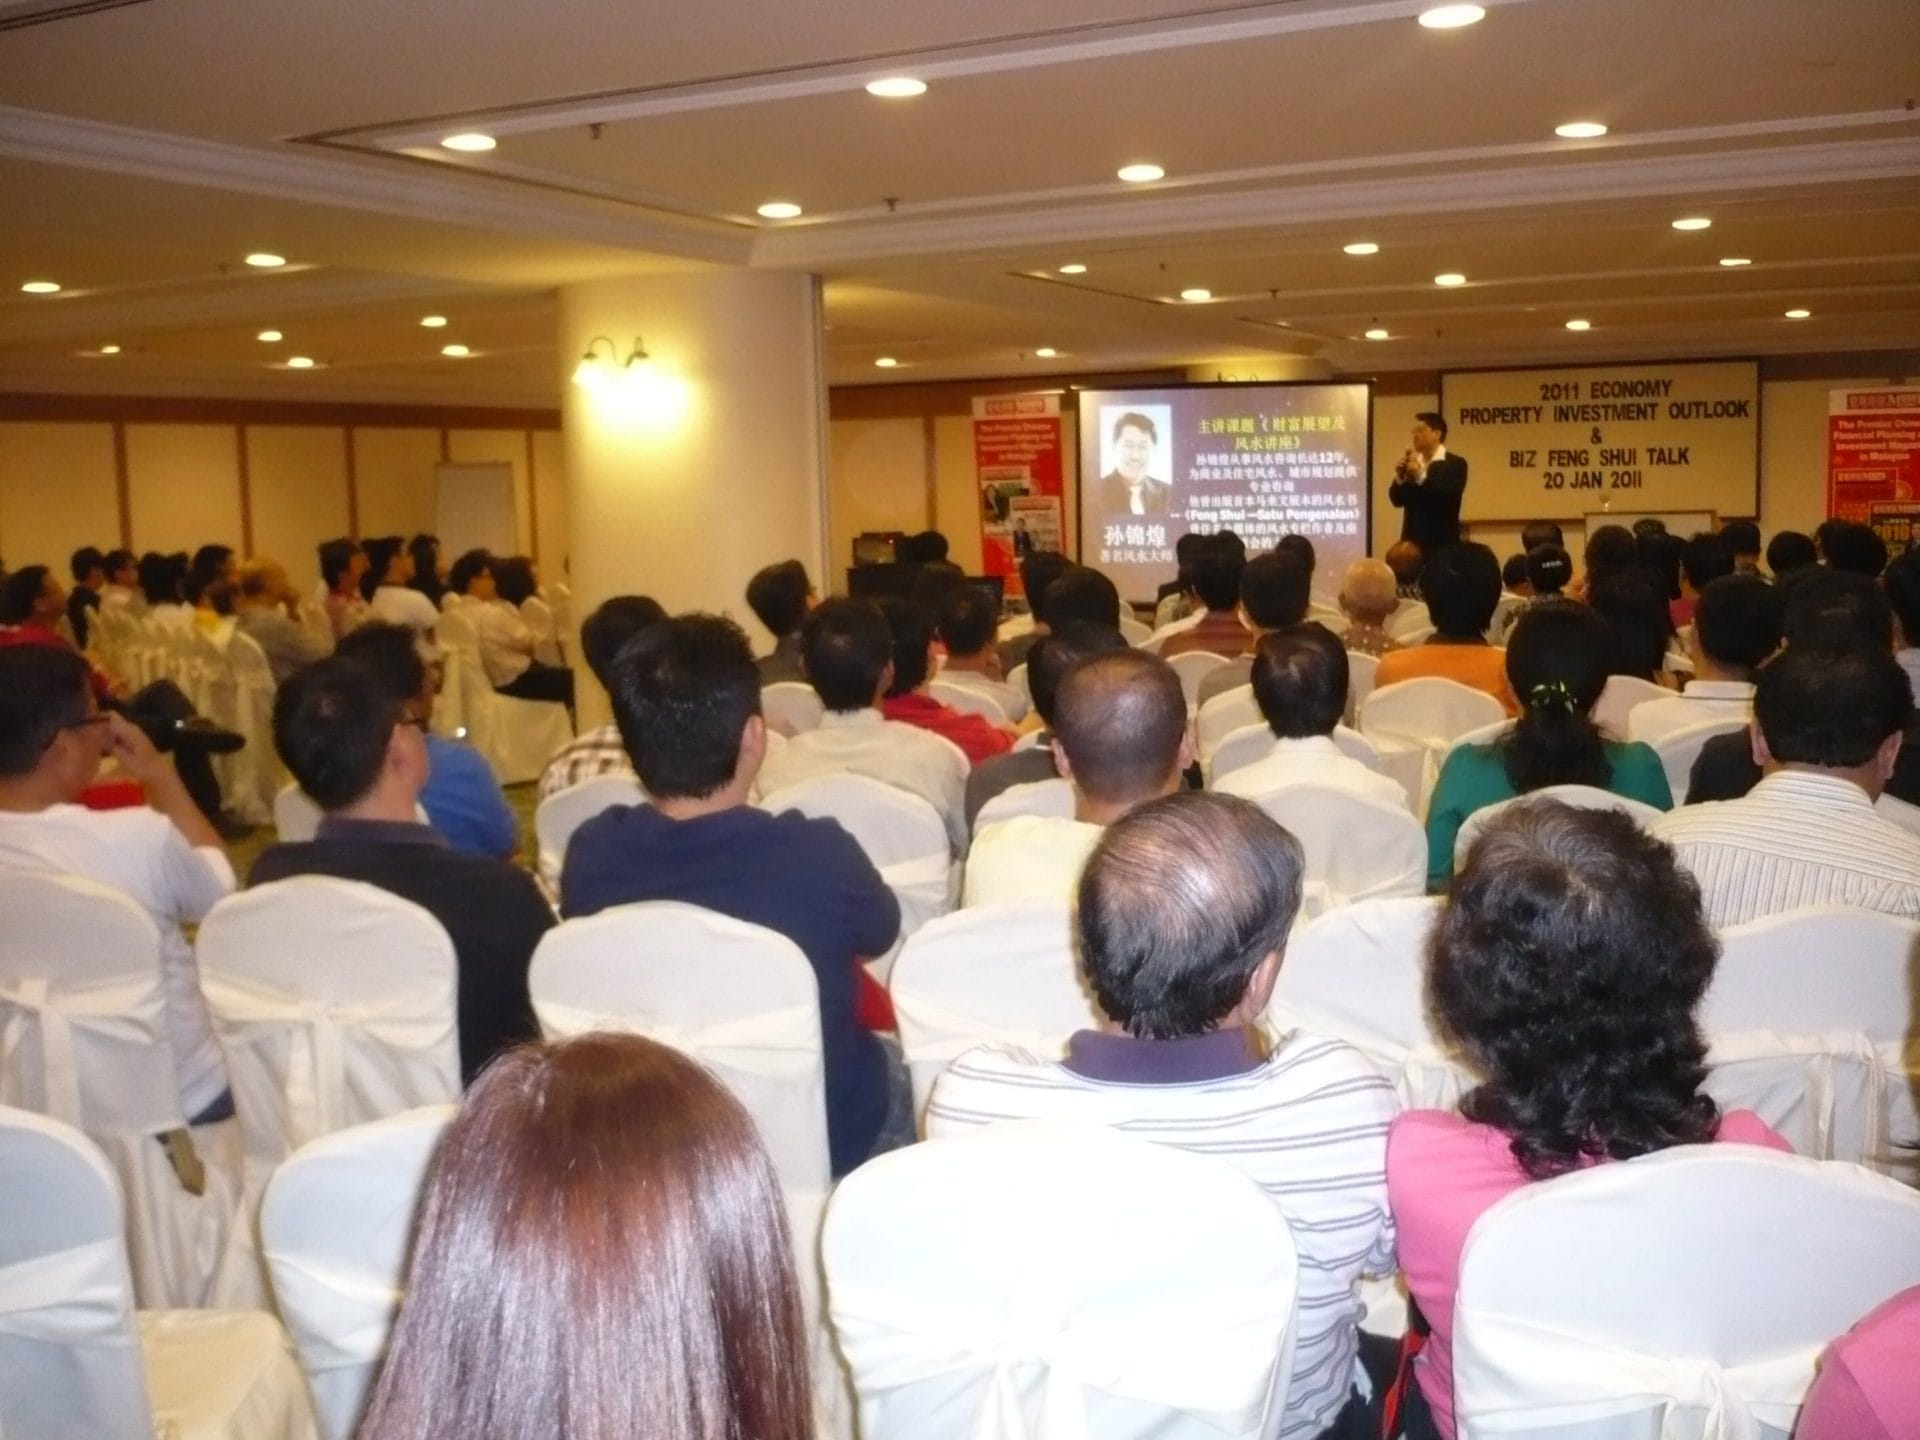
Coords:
602,1254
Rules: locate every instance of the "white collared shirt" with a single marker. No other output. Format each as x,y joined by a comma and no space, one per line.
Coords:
1028,857
1702,700
864,742
1010,698
506,644
1310,760
1798,838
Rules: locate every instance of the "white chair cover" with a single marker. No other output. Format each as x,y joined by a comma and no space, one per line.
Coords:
1360,672
1357,847
1193,666
1040,1281
254,772
76,1362
1617,700
1479,735
1237,750
1430,709
1808,1017
1017,677
1358,974
560,814
517,736
1680,749
84,1038
1586,797
1331,616
1134,631
334,1002
1049,799
1408,618
1684,1295
295,817
968,699
1221,716
791,707
334,1226
996,973
901,833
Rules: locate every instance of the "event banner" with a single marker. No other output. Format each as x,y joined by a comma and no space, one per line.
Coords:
1260,460
1559,444
1016,454
1873,451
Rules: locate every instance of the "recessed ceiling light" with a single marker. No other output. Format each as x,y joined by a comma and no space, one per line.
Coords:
1451,278
1799,314
299,362
1141,174
41,287
471,142
1734,262
457,352
897,87
1046,352
272,337
1378,334
1075,269
1362,247
1580,130
1579,324
1451,17
1692,222
779,210
109,349
266,260
886,362
1196,294
433,322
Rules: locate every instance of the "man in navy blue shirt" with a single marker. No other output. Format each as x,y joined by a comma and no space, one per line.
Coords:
686,696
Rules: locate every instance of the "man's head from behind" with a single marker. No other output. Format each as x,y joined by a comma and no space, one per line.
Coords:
1737,622
47,720
1849,545
1369,593
779,596
32,593
967,621
1275,590
1184,910
686,696
1081,596
1462,588
391,655
1215,574
1837,610
1056,653
1832,710
88,567
1542,532
1037,572
846,649
1300,681
1120,728
911,629
1791,550
612,624
344,735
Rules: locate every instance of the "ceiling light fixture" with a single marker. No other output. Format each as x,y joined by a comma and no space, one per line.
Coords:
469,142
1196,295
1799,314
1074,269
299,362
266,260
434,322
455,352
1046,352
897,87
1451,17
1378,334
1141,174
595,370
1579,324
1580,130
1362,247
109,349
1692,222
41,287
1450,279
886,362
1734,262
272,337
778,210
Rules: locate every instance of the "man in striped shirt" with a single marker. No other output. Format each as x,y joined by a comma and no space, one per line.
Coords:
1183,912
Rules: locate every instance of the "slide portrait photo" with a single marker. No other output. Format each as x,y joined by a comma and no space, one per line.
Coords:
1136,459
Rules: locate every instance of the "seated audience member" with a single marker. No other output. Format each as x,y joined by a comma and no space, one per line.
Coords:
517,586
1789,550
965,619
1275,592
1567,968
429,568
1704,558
1557,666
1610,549
1827,726
165,855
359,754
342,563
1736,626
686,695
163,584
1462,585
780,595
1367,598
1867,1386
1216,583
122,590
89,570
907,701
1183,917
1297,548
1541,532
1901,581
600,751
931,583
1051,657
506,642
1405,560
388,587
1174,599
1549,571
1076,595
211,565
1120,736
1513,577
1300,679
1849,545
650,1292
1743,539
462,797
263,605
1639,621
924,548
1038,571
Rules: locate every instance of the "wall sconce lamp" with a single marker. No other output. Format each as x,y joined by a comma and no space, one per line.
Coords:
596,370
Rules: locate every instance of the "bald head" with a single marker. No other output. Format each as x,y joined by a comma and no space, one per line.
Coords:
1369,591
263,580
1120,720
1404,560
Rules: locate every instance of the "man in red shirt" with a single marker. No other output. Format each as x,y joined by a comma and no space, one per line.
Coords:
907,699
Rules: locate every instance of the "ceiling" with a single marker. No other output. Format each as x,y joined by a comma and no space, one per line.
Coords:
147,147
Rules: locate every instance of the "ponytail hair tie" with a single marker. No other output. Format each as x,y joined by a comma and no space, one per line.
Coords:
1552,692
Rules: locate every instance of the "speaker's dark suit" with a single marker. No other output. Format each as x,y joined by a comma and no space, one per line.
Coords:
1432,506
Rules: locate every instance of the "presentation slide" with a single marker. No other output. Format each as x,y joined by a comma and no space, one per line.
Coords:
1260,460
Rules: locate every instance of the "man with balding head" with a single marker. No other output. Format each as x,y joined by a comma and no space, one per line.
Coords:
1120,735
1368,595
263,606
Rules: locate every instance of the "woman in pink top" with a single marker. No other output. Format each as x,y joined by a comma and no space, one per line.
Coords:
1868,1387
1567,969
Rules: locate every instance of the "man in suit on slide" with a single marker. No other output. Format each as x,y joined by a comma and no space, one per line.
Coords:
1428,484
1128,489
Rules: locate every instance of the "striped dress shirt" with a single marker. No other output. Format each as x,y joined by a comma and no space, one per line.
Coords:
1307,1123
1797,838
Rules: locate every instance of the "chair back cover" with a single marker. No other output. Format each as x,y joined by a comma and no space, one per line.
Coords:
791,707
1238,749
1358,974
516,736
1408,618
1586,797
1360,672
901,833
1680,749
1808,1017
1193,666
69,1352
295,817
1617,699
1357,847
1430,709
254,772
1043,1281
334,1002
739,998
1134,631
1684,1295
560,814
992,973
334,1227
1048,799
968,699
1221,716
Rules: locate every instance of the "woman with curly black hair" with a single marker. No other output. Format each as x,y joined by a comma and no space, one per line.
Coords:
1566,969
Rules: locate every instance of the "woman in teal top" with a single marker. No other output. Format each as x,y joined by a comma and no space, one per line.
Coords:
1557,666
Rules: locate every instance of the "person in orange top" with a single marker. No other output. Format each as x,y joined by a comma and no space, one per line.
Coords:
907,699
1462,587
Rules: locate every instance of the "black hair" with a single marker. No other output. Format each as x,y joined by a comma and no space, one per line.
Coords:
1513,572
1299,547
1791,550
1648,525
22,592
927,545
777,595
845,647
425,550
1120,718
1138,422
43,690
1557,667
1705,558
1037,572
1179,903
208,562
1229,538
1611,548
1665,555
1300,678
381,552
1567,966
1849,545
1275,590
1461,584
1738,621
1542,532
612,624
116,561
911,632
1837,610
332,722
1742,536
1080,596
1901,582
1549,568
1635,609
1830,707
461,573
1433,420
513,576
934,580
1216,575
967,620
683,691
391,655
85,561
1058,651
1188,545
336,558
159,579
